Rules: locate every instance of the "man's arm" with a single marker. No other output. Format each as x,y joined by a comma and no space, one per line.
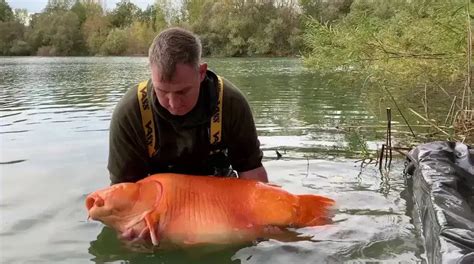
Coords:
259,174
241,136
128,160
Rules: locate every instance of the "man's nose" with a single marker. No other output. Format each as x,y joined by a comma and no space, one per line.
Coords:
173,100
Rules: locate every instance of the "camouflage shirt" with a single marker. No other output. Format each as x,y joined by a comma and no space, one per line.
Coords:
182,142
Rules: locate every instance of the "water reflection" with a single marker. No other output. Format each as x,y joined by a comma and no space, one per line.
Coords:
107,248
291,101
287,100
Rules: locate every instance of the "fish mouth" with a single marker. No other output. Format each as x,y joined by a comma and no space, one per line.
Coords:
93,202
89,203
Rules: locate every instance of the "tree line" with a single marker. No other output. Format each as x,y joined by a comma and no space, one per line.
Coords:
226,27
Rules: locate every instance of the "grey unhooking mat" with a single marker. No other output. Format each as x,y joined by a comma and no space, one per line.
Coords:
442,176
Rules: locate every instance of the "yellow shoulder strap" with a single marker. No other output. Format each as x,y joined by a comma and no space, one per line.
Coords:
147,117
216,119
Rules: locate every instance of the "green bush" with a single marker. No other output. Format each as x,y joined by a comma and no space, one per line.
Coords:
116,42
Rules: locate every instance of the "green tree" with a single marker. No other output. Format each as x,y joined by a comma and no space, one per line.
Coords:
116,42
278,34
373,37
245,28
147,15
93,24
20,47
326,11
57,33
124,13
193,10
140,36
12,31
6,13
80,10
154,16
95,30
11,36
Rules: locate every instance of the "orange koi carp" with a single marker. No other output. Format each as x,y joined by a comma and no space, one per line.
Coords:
192,210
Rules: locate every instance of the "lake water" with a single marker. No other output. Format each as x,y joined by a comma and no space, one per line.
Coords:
54,119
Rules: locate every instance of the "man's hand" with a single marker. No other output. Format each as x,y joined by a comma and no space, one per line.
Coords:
259,174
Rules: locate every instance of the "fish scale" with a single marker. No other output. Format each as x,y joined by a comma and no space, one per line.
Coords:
207,210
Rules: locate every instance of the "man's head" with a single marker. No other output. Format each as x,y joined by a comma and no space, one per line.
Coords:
176,71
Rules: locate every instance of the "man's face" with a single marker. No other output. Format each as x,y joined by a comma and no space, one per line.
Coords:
181,93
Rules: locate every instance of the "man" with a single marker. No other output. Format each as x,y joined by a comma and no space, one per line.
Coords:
186,119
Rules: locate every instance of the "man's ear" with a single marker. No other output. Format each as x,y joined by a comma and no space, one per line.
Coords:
202,71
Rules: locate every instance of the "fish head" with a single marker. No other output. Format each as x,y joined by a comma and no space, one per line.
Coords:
123,205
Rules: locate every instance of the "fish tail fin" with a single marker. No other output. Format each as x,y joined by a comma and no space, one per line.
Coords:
313,210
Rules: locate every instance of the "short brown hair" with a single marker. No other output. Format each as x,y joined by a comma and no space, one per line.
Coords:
172,46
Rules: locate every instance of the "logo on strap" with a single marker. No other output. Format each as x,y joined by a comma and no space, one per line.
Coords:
216,120
147,117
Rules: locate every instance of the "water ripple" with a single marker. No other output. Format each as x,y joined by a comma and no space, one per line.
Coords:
65,105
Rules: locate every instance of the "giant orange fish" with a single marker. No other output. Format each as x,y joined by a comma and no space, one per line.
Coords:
192,210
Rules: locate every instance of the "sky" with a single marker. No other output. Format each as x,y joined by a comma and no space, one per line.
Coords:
35,6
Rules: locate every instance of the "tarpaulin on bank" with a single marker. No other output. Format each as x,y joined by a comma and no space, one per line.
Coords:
442,178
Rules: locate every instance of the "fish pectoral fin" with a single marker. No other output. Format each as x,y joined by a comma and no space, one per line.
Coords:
152,227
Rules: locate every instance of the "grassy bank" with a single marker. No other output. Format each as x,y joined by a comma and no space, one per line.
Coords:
417,53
